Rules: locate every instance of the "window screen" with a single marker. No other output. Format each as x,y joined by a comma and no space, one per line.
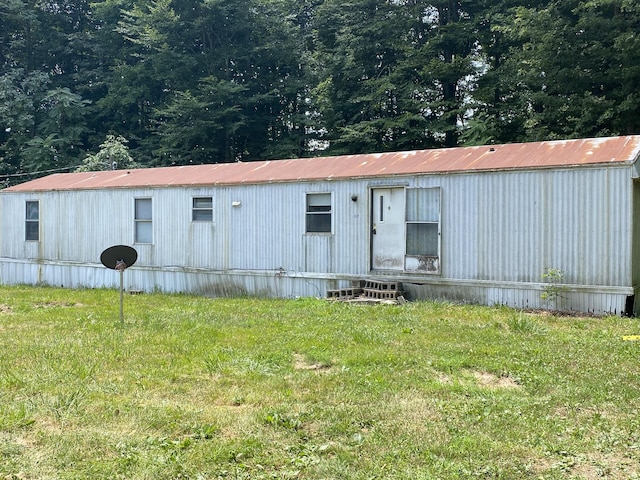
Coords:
32,221
423,222
143,220
318,213
202,209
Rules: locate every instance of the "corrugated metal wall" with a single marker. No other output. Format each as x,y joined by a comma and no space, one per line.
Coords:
500,230
511,226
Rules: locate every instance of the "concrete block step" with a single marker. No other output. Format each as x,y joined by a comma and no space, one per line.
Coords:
383,286
381,294
345,293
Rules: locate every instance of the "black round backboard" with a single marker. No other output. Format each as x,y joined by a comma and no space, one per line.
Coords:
113,256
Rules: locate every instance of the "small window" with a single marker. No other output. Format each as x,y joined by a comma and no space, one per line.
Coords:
143,221
318,213
202,209
32,222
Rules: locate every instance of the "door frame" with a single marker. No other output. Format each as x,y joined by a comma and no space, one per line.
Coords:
395,262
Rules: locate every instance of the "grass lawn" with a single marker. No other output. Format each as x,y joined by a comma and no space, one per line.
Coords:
201,388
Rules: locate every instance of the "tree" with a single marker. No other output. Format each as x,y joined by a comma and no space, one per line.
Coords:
44,126
359,46
227,80
200,127
113,155
496,103
398,75
213,81
559,70
42,117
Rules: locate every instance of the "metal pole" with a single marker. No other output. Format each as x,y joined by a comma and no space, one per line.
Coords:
121,295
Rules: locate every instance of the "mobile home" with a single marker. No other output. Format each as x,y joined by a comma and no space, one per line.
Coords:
471,224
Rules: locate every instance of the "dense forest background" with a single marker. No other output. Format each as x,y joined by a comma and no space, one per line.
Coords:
172,82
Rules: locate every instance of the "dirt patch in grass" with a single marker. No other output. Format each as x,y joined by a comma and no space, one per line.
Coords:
489,380
599,465
444,378
561,313
301,363
5,309
417,413
482,379
57,304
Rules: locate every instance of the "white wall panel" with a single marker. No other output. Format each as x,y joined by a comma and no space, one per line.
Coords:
498,229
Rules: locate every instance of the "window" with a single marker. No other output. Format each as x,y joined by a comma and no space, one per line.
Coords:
32,221
202,209
318,213
144,231
423,229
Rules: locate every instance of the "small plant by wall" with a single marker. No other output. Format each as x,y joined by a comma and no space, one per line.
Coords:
554,287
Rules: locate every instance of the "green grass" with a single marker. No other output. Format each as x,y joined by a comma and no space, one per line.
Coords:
201,388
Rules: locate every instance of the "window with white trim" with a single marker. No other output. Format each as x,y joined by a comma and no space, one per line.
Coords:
318,213
202,209
143,220
32,221
423,229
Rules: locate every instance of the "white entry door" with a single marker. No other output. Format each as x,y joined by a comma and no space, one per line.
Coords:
387,229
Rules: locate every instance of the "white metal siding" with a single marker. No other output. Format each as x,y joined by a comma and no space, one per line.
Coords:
499,232
511,226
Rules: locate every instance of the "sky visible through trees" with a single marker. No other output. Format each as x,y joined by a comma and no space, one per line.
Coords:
206,81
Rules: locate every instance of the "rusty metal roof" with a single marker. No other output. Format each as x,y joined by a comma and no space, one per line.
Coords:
564,153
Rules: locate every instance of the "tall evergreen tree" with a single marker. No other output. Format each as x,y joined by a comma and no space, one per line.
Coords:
42,116
398,74
216,80
225,80
445,61
559,70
